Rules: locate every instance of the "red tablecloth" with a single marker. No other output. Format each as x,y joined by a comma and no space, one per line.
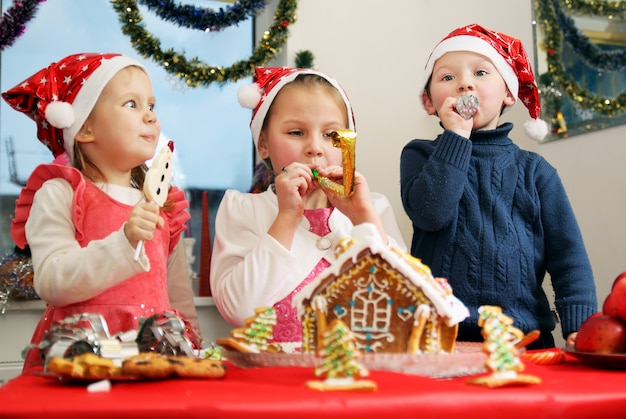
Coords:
569,390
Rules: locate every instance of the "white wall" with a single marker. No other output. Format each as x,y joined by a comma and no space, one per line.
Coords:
377,51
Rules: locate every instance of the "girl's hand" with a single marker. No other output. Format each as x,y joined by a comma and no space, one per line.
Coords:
144,218
358,207
359,202
452,121
292,184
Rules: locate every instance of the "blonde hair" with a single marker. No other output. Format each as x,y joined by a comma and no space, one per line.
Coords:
312,82
81,161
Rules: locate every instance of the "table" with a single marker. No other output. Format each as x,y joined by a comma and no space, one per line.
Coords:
568,390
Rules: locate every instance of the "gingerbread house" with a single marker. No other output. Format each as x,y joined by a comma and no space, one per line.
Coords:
390,300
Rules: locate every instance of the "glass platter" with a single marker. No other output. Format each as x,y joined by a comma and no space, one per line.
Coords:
596,360
468,359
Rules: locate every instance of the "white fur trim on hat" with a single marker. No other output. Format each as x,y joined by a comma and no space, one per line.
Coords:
259,117
89,93
479,46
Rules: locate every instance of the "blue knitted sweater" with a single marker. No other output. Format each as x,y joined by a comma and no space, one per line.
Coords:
493,219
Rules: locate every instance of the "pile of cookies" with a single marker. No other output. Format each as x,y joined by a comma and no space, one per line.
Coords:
145,365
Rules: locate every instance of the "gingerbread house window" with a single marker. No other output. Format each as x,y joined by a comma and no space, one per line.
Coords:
371,311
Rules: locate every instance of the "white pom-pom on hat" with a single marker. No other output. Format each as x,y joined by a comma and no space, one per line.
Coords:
537,129
249,95
60,114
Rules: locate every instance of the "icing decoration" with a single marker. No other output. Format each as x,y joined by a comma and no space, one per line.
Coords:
157,181
501,347
381,293
467,106
344,139
256,335
339,365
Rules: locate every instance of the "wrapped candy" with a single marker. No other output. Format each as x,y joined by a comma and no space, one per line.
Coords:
346,140
467,106
16,278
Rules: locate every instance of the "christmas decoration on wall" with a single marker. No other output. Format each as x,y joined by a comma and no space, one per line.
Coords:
14,20
590,53
553,44
304,59
200,18
611,9
16,278
192,70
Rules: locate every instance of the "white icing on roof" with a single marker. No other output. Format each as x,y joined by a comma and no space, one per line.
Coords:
366,237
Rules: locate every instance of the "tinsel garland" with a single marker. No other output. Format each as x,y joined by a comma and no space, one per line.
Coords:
16,278
610,9
208,20
595,57
608,106
14,20
192,71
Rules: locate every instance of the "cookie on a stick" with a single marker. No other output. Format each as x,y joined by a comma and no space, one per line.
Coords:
157,182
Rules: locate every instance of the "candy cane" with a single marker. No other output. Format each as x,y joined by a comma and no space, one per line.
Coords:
346,140
157,182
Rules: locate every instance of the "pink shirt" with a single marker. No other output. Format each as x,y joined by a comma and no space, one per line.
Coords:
288,327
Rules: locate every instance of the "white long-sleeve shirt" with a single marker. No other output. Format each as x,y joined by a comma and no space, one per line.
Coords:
250,269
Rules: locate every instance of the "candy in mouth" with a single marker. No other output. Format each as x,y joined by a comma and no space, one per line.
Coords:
467,106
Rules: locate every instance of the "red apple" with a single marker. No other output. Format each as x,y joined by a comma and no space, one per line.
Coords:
601,334
615,303
620,278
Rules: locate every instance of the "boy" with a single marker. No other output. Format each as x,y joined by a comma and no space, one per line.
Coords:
490,217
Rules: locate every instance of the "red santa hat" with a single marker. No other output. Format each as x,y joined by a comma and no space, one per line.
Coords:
266,84
510,59
60,97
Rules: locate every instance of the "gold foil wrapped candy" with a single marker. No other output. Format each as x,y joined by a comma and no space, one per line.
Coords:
346,140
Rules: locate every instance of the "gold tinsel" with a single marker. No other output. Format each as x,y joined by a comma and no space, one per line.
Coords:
191,70
553,39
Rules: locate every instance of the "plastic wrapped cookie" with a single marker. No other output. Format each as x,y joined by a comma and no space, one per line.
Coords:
467,106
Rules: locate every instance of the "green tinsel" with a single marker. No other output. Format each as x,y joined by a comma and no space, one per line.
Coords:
553,40
194,72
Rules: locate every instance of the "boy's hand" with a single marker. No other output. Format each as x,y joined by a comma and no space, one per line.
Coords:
452,121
